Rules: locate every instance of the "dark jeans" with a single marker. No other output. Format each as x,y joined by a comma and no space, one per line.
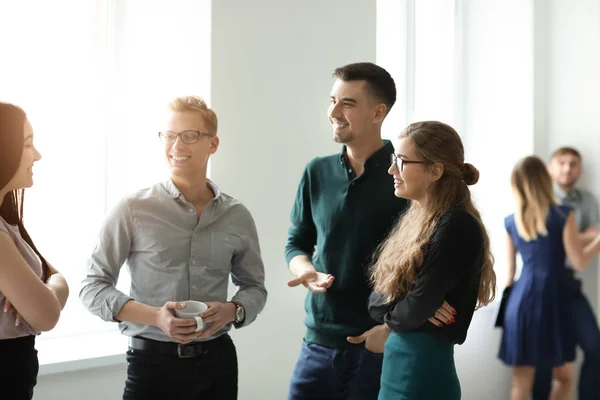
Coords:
212,375
18,368
588,338
323,373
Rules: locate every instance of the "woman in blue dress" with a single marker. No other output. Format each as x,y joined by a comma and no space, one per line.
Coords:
537,327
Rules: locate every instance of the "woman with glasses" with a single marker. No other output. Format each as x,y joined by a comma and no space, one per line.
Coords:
32,292
437,254
537,327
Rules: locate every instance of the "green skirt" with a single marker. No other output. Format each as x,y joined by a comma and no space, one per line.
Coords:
418,366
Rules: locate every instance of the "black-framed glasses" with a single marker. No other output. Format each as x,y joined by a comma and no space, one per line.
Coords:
187,137
399,162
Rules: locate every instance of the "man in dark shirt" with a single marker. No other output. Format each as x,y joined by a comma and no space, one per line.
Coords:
345,206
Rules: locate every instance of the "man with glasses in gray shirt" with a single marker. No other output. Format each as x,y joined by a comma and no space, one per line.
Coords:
182,239
565,168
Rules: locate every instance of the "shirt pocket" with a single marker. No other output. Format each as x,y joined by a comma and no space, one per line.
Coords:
223,246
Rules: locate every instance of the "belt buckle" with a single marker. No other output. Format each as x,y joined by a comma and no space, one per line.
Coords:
184,351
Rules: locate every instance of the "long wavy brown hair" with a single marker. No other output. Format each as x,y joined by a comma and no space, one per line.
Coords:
400,257
12,121
532,187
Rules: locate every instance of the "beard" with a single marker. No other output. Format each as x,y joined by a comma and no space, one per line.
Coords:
568,182
343,137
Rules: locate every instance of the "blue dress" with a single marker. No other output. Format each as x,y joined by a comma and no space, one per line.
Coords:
537,327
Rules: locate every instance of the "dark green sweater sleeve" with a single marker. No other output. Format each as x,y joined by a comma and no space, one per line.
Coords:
302,235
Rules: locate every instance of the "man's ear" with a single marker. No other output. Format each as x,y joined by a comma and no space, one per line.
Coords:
214,145
380,113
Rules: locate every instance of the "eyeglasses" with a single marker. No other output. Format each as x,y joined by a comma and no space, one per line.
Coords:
399,162
187,137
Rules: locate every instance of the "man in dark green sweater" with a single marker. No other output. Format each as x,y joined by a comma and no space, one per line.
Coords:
344,208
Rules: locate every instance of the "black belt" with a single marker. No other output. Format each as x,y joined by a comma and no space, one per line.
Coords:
176,349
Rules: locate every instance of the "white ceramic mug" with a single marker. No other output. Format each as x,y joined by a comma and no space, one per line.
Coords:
191,311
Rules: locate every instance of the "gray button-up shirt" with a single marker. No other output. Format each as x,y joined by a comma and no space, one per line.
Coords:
173,255
585,206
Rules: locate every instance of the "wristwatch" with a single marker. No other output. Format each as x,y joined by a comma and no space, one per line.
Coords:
240,312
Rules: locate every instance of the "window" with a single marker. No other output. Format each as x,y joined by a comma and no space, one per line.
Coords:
434,58
416,44
93,77
468,64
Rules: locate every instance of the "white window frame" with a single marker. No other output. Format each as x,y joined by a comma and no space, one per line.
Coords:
122,133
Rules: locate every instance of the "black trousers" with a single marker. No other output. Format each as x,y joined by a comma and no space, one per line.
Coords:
18,368
166,371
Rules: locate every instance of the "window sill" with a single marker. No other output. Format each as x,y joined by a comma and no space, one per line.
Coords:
75,353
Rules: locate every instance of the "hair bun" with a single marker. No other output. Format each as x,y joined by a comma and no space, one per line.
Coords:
470,174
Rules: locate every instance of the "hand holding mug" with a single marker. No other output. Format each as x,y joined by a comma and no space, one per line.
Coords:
182,330
216,317
192,310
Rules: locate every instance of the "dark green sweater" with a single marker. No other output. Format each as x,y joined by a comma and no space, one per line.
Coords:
346,217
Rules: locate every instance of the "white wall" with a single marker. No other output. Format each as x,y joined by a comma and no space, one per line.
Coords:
272,64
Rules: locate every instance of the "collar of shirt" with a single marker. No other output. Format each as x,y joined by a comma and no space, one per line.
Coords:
173,191
562,195
381,156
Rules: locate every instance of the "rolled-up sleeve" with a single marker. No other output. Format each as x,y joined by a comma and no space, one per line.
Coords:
248,274
98,293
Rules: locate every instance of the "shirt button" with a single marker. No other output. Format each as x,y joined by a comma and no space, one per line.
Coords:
353,183
349,171
194,287
191,210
